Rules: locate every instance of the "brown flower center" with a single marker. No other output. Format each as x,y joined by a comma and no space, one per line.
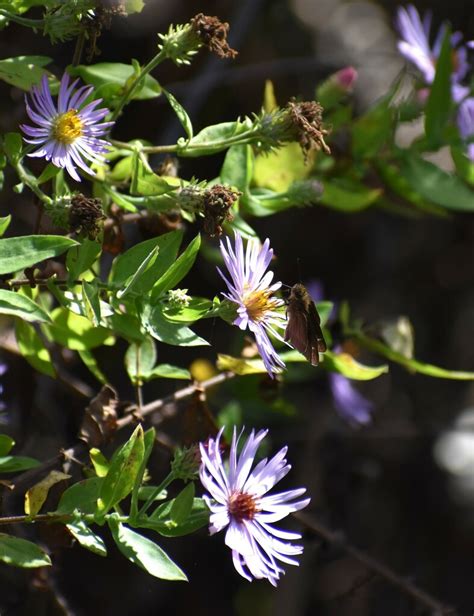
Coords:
67,127
242,506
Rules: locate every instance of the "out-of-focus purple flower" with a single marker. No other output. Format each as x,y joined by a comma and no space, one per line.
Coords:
465,120
350,404
416,48
252,290
238,501
67,133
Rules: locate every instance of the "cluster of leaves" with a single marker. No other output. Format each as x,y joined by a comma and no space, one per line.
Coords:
139,300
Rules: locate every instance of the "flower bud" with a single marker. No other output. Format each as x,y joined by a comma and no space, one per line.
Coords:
336,87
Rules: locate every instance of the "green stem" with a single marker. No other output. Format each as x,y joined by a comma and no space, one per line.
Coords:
29,23
163,485
29,180
412,365
30,519
213,146
130,91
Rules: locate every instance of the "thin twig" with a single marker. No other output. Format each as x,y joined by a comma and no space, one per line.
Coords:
423,598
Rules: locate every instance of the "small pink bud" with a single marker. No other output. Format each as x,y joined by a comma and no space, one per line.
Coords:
422,96
346,78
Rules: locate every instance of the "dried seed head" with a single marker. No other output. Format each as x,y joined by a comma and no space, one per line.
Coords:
217,206
86,216
212,33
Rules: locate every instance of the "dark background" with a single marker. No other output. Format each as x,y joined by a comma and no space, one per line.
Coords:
381,485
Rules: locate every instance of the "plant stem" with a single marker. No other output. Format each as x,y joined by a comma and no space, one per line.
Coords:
29,180
29,23
163,485
130,91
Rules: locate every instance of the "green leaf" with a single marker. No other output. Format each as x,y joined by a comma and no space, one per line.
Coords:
160,520
237,169
87,538
345,364
145,182
13,145
373,130
176,334
180,113
239,365
23,71
438,107
17,305
213,139
347,195
99,462
49,172
166,371
21,553
144,493
4,223
144,553
91,301
435,184
140,359
123,471
126,264
122,201
198,308
278,170
148,442
81,496
81,257
77,333
16,253
134,284
32,348
6,443
111,79
178,270
133,6
411,364
13,464
182,505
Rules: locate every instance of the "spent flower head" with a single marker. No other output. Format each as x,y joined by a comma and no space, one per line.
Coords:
86,216
68,133
250,288
297,121
238,500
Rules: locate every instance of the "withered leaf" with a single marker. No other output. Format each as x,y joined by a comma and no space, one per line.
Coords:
100,418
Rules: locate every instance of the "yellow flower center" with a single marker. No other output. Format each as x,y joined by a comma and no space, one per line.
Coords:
67,127
258,303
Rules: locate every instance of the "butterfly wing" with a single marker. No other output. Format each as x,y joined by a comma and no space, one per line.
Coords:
315,331
297,333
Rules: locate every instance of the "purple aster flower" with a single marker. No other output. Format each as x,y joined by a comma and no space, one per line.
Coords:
350,404
465,119
415,44
238,500
67,133
251,289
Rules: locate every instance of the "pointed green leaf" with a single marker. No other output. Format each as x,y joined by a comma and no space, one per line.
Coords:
144,553
180,113
438,107
17,305
23,71
21,553
16,253
13,464
5,223
176,334
124,467
87,538
178,270
81,496
32,348
135,282
6,443
80,258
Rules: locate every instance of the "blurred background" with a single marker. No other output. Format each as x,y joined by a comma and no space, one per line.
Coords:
401,488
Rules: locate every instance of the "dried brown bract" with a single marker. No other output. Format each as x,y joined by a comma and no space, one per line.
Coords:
217,206
307,120
86,216
213,34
